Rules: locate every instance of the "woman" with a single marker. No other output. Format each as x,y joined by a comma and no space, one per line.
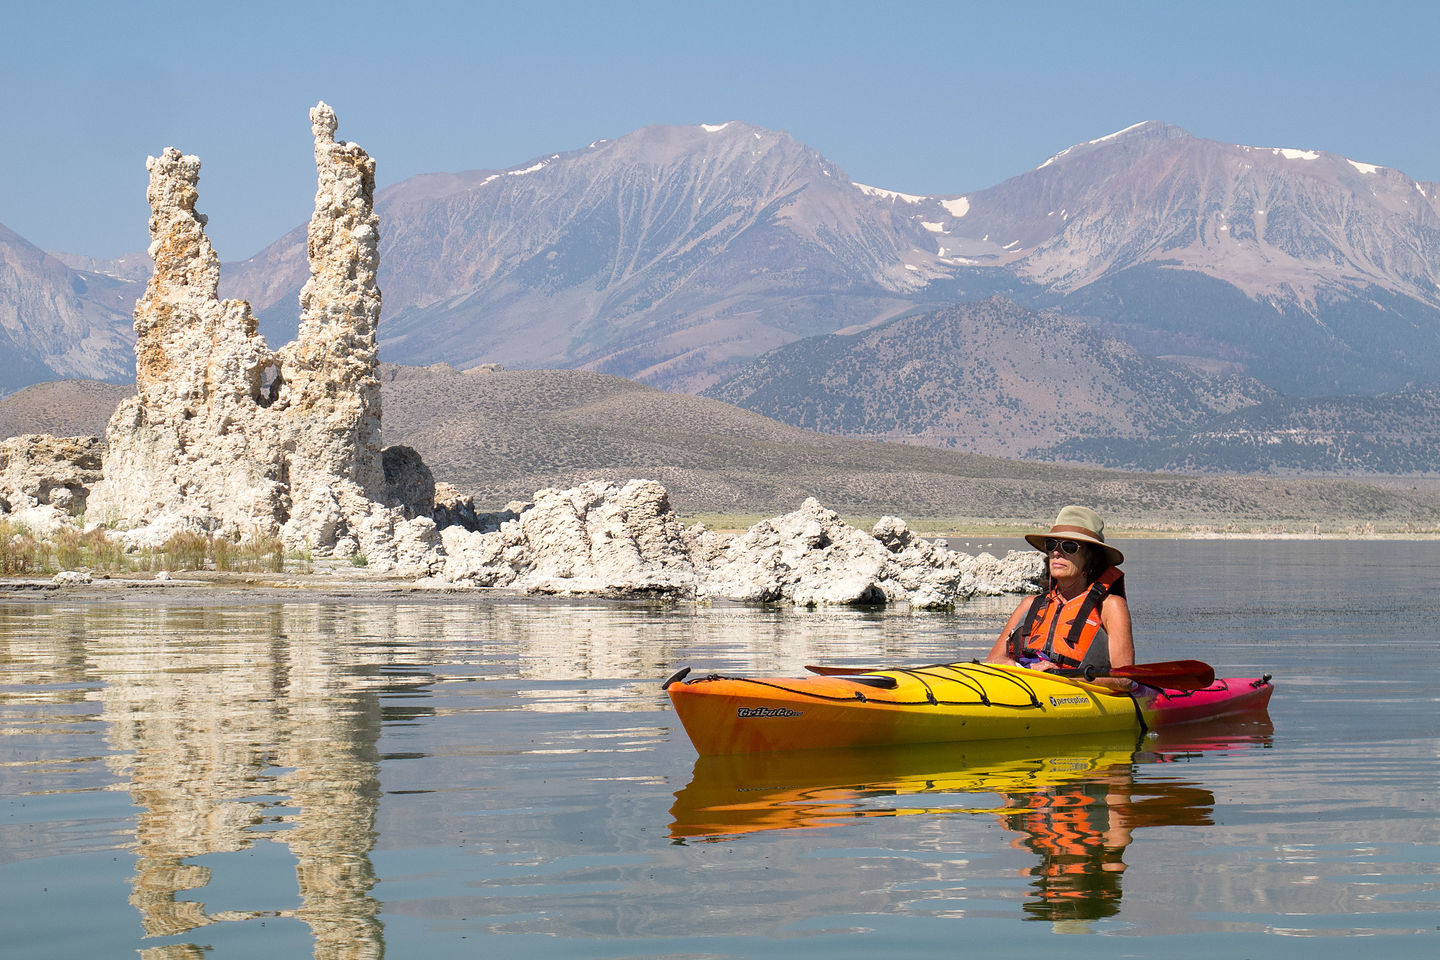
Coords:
1081,620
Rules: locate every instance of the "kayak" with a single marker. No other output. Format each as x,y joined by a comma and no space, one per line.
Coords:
942,703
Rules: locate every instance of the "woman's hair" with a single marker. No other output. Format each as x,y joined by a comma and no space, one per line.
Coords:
1096,562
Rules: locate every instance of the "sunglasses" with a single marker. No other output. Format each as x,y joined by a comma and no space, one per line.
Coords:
1068,547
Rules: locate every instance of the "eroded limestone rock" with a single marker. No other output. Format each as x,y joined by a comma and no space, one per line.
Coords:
40,470
596,538
931,576
812,557
609,539
807,557
227,437
330,392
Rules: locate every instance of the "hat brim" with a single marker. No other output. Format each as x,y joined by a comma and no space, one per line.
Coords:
1037,540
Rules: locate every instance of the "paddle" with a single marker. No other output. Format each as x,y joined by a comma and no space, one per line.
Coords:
1170,674
884,683
850,671
855,675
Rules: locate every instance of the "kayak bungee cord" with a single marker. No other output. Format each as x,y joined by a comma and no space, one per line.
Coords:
921,674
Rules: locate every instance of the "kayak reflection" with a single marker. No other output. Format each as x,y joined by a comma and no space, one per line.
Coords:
1074,802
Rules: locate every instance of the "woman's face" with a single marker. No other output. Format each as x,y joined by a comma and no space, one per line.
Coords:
1065,565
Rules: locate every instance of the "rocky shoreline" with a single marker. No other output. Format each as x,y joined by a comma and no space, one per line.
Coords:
604,541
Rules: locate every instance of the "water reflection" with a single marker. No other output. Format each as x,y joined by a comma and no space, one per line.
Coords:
228,733
237,727
1074,803
231,738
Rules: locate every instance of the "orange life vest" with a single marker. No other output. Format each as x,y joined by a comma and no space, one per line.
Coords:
1068,632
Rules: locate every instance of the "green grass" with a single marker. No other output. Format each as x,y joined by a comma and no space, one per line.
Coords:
23,554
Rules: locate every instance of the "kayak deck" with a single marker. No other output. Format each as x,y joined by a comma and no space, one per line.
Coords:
932,704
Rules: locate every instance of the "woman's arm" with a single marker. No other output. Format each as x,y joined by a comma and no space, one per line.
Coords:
1115,619
1000,652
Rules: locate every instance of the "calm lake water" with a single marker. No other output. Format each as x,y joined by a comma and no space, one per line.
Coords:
450,777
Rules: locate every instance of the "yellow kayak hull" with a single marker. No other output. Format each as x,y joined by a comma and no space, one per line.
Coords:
935,704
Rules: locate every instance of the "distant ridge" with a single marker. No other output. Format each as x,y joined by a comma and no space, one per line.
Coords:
58,322
989,377
62,408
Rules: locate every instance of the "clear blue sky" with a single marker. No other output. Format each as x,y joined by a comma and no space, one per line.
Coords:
921,97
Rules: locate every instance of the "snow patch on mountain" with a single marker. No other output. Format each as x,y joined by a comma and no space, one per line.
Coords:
1091,143
538,165
1054,158
957,207
1119,133
1289,153
890,194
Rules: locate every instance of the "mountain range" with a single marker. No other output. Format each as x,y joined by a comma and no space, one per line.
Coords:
1177,279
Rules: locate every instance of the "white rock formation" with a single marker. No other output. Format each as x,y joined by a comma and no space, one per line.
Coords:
45,481
933,576
812,557
40,470
329,393
225,436
596,538
624,540
71,578
807,557
190,449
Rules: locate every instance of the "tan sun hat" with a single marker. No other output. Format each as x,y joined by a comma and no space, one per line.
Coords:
1082,525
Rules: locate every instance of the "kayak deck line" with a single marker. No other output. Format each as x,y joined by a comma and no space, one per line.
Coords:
921,674
935,703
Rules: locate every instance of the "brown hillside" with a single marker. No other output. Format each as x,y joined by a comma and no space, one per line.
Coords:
505,434
502,435
62,408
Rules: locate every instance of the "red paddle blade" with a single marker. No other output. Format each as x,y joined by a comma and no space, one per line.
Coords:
1172,674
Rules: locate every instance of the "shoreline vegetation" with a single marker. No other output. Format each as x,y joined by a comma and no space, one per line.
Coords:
23,553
